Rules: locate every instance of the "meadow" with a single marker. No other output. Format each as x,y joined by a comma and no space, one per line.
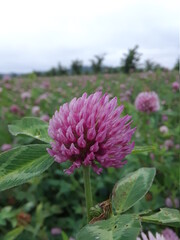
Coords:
51,205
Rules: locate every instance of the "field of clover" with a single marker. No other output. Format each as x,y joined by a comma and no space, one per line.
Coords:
90,157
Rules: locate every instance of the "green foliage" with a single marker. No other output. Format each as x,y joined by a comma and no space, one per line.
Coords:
5,136
121,227
142,149
7,214
13,234
32,127
131,188
125,194
32,76
62,196
166,216
20,164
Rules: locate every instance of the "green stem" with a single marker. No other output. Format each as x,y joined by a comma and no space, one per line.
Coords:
88,192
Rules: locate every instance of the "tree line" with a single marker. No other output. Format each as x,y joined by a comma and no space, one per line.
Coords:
129,63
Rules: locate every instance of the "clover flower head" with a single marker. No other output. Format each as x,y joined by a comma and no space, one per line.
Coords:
88,131
168,202
176,86
56,231
168,144
176,202
6,78
169,234
6,147
45,118
35,110
164,129
177,146
15,109
164,118
147,102
25,95
150,236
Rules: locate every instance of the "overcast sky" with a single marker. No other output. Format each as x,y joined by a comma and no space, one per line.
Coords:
38,34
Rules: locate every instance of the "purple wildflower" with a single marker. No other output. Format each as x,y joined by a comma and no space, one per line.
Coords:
168,202
46,85
147,102
56,231
177,146
6,147
169,234
164,118
152,156
6,78
25,95
7,85
122,86
45,118
35,110
69,84
176,202
15,109
168,144
163,102
89,131
163,129
175,86
42,97
150,236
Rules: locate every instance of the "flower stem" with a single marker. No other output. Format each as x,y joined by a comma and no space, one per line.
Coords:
88,192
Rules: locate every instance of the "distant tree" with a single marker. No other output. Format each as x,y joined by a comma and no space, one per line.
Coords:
152,66
76,67
149,65
158,66
109,69
61,70
96,63
32,75
177,64
52,72
130,60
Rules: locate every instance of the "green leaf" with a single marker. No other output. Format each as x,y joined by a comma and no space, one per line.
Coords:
33,127
131,189
167,216
20,164
170,113
39,218
120,227
64,236
13,234
142,149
